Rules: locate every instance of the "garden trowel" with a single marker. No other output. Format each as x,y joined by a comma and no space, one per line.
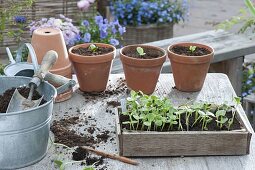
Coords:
20,103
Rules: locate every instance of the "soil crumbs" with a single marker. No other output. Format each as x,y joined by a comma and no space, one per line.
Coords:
81,154
64,135
119,87
150,53
182,50
88,52
5,98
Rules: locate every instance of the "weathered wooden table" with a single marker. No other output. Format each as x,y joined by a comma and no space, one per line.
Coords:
217,89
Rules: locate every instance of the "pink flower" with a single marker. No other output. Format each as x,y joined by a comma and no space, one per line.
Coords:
91,1
83,5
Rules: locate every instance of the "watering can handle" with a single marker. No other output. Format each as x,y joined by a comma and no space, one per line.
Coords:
10,55
61,81
32,54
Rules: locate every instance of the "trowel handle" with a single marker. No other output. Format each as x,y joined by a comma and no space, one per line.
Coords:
48,61
62,82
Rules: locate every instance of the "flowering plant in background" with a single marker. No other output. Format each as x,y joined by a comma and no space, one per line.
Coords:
139,12
70,32
248,84
100,30
85,4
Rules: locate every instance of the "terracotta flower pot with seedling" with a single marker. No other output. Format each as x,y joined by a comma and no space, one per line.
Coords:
190,63
92,64
142,66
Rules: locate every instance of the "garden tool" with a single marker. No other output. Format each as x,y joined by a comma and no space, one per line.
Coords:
18,102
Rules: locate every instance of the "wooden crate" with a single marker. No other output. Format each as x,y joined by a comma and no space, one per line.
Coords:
183,143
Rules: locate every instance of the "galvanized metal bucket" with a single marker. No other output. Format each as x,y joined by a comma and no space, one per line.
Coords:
24,135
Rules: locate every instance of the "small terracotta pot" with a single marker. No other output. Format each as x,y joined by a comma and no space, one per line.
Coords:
142,74
45,39
92,71
190,71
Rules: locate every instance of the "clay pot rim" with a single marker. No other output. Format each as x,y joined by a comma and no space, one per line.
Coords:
190,44
55,31
143,45
87,44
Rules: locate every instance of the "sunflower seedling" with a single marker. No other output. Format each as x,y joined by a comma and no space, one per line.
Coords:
93,47
192,48
140,51
221,118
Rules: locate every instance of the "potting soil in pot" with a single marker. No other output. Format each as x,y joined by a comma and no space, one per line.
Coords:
150,53
181,50
5,98
88,52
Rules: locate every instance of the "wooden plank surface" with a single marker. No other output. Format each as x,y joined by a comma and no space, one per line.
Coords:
217,89
227,46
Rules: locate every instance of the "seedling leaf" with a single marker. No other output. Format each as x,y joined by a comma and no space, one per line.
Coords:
220,113
140,51
58,163
192,48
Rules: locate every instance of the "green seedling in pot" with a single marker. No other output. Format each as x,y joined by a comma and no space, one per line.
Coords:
192,48
140,51
93,47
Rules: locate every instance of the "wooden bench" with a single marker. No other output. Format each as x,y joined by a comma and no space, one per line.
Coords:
230,50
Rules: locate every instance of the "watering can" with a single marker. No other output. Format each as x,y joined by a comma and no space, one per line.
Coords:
18,68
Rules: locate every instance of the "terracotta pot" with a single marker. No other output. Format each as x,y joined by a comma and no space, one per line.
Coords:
45,39
190,71
92,71
142,74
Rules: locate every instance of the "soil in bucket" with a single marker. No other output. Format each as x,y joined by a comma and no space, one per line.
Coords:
5,98
88,52
182,50
150,53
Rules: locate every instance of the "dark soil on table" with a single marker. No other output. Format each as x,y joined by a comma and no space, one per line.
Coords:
81,154
103,136
150,53
5,98
113,103
182,50
212,126
64,135
119,87
87,52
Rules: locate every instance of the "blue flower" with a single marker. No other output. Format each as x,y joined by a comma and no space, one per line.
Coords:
103,34
122,30
87,37
85,23
20,19
244,94
114,42
248,82
99,19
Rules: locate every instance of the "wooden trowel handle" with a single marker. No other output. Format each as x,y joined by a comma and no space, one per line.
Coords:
48,61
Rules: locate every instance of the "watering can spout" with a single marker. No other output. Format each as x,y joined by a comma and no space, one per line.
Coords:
10,55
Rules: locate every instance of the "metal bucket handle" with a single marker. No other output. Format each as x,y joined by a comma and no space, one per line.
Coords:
19,55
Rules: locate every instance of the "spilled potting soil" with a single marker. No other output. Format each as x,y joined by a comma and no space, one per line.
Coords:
65,135
5,98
